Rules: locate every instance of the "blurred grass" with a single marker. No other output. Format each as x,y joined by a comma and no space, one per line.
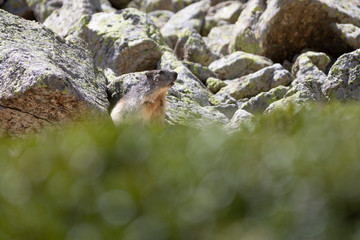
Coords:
293,174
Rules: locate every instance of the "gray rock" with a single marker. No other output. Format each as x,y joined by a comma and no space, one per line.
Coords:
61,20
160,17
260,81
191,47
187,85
152,5
300,94
280,29
348,32
343,81
310,66
240,118
106,6
219,38
125,41
223,13
260,102
18,7
214,84
44,79
190,17
238,64
201,72
42,9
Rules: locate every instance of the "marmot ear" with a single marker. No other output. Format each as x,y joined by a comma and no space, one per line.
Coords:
149,74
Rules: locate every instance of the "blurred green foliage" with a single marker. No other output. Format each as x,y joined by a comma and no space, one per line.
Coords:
293,174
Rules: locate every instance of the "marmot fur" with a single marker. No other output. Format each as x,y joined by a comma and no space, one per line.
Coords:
145,102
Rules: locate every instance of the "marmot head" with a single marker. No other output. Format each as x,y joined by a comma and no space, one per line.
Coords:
160,80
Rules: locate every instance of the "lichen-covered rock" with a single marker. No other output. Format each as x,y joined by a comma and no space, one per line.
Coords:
43,8
300,94
180,108
223,13
160,17
201,72
279,29
152,5
219,38
190,17
310,66
241,117
255,83
61,20
349,33
260,102
214,84
187,84
44,79
125,41
18,7
238,64
343,81
191,47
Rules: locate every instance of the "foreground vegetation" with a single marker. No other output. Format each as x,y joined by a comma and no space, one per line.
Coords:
290,175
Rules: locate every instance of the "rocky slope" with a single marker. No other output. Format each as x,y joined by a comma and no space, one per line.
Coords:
233,58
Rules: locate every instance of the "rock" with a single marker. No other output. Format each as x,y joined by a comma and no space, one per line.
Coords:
238,64
119,4
219,38
1,2
160,17
18,7
343,81
240,118
260,81
310,66
178,103
280,29
300,94
201,72
260,102
187,85
223,13
152,5
214,84
191,47
42,9
61,20
125,41
227,109
106,6
190,17
349,33
44,79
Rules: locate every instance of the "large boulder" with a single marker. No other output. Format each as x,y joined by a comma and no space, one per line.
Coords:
191,47
42,9
44,79
61,20
238,64
160,17
255,83
223,13
219,38
190,17
279,29
343,81
125,41
348,32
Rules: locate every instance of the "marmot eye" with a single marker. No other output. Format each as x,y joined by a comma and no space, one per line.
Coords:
161,72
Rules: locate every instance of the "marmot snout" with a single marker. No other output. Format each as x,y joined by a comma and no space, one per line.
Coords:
145,102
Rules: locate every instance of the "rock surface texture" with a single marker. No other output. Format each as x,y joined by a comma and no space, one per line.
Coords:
44,79
83,55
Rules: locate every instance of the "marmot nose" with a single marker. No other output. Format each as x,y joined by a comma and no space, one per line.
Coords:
175,75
